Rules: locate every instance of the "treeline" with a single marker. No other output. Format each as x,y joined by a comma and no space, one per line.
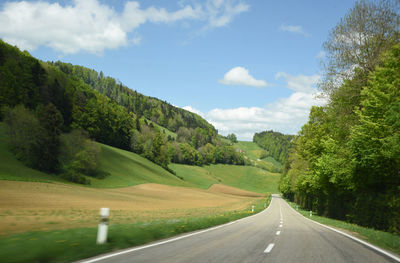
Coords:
276,144
160,112
345,163
36,85
193,132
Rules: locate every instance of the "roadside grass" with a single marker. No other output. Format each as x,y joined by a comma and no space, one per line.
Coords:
74,244
388,241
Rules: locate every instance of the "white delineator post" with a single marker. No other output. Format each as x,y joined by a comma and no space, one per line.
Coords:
252,208
310,213
103,226
265,205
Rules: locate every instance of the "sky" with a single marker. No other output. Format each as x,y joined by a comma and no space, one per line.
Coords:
245,66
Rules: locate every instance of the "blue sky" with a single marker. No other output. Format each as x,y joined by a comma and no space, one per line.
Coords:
245,66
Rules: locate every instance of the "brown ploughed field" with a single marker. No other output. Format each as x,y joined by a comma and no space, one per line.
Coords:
27,206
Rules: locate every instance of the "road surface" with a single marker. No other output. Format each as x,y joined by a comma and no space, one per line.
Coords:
278,234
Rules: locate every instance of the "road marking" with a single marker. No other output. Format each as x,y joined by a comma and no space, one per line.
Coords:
381,251
170,240
269,248
278,233
280,225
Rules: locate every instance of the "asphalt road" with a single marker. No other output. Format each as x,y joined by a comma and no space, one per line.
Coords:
278,234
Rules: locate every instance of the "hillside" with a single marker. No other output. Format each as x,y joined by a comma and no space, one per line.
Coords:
258,157
156,110
59,98
127,169
276,144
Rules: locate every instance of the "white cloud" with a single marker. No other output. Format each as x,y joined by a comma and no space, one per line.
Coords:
293,29
321,54
90,26
222,12
241,76
191,109
286,115
300,83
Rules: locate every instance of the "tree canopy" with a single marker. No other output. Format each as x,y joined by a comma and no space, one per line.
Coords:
345,161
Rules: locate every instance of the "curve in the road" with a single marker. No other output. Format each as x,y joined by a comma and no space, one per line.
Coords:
277,234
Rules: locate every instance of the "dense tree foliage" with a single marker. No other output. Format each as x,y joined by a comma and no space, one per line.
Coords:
276,144
79,156
345,162
24,132
151,108
232,138
37,141
58,98
193,132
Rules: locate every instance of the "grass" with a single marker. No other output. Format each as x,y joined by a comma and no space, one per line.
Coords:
164,130
255,152
252,150
195,175
388,241
75,244
12,169
50,244
244,177
127,169
32,206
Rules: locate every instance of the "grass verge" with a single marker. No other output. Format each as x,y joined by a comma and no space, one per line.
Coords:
74,244
388,241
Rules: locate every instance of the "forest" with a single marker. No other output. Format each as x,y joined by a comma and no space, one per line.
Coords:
45,105
345,162
276,144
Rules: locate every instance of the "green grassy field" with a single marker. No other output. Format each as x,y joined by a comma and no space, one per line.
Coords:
128,169
125,168
247,178
165,130
12,169
255,154
252,150
244,177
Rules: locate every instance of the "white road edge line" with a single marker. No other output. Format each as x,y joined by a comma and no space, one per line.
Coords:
269,248
352,237
171,240
278,233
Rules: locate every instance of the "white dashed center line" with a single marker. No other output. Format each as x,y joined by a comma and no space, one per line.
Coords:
269,248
